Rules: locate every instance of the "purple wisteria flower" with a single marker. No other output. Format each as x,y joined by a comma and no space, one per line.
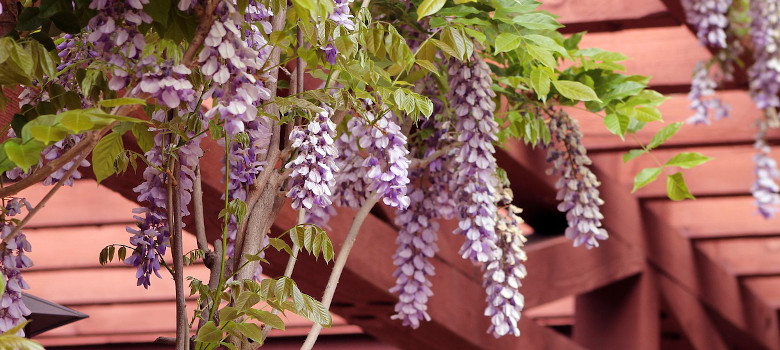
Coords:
14,259
387,163
710,19
416,246
765,189
151,237
167,83
342,15
764,74
501,276
577,185
351,184
314,167
702,97
471,97
114,35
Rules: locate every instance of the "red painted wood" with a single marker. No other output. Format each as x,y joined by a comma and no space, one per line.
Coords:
622,315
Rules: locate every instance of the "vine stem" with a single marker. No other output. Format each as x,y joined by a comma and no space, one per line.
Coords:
338,267
197,204
45,199
174,220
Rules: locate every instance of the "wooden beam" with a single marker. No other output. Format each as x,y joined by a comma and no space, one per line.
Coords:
675,255
738,129
754,256
715,217
691,314
667,54
622,315
609,15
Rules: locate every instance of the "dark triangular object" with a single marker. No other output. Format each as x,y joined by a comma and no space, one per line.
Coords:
47,315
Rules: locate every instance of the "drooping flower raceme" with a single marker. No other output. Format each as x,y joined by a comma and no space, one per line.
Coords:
416,246
764,74
167,83
314,167
702,97
387,160
502,275
577,185
14,259
765,189
471,99
151,236
710,19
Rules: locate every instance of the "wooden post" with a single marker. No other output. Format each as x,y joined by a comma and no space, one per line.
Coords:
622,315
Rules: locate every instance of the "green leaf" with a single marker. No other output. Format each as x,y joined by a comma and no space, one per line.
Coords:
542,55
144,137
429,7
48,133
632,154
537,21
507,42
5,165
227,314
540,82
104,155
209,333
25,155
687,160
645,177
251,331
676,188
664,134
122,101
266,318
648,114
246,300
546,42
575,91
66,21
617,123
76,120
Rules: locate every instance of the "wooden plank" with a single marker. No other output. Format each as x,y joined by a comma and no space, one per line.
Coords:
691,314
737,129
609,15
670,70
622,315
715,217
80,199
675,255
754,256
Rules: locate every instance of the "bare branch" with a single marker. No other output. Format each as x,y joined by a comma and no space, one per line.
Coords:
338,267
419,163
204,26
45,199
174,223
197,204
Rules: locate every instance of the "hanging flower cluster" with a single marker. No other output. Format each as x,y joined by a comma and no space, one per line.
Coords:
471,99
151,237
115,36
502,275
710,19
577,185
765,189
167,83
314,167
416,246
702,96
386,163
14,259
764,74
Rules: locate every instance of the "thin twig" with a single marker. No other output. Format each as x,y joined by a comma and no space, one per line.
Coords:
338,266
419,163
45,199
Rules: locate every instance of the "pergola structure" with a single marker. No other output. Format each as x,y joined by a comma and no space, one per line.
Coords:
711,264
